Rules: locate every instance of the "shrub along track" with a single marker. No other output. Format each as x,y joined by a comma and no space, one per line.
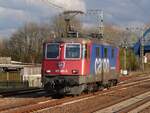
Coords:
90,102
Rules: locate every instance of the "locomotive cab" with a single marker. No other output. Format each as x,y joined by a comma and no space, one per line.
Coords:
64,59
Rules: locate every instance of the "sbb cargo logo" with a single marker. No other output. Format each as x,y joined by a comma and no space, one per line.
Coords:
101,64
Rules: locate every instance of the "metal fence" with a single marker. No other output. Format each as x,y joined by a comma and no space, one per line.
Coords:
12,80
10,76
27,76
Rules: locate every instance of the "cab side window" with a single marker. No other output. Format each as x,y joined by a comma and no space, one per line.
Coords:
112,53
97,51
105,53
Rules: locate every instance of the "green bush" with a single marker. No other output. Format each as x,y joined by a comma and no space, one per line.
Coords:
131,59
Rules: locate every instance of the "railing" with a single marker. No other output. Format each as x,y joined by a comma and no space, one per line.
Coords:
10,80
10,76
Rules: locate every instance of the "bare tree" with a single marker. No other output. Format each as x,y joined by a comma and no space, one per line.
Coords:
26,44
113,34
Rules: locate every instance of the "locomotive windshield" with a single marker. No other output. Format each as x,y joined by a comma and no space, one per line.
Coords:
72,51
52,50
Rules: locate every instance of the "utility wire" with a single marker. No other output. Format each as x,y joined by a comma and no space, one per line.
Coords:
54,5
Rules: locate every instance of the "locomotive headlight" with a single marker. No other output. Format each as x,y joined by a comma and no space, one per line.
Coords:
48,71
75,71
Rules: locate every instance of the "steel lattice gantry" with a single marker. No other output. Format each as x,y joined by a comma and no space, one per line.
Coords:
146,43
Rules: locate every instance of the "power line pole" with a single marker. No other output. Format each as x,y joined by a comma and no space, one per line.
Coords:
101,27
100,20
125,47
142,52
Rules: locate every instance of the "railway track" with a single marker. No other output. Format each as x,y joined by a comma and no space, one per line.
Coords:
117,93
128,106
20,92
33,96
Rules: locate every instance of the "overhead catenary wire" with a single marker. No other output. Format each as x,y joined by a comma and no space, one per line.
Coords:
54,5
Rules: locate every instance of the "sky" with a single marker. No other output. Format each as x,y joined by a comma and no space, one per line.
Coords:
15,13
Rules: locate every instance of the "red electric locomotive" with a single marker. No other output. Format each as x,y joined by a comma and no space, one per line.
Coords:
75,65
